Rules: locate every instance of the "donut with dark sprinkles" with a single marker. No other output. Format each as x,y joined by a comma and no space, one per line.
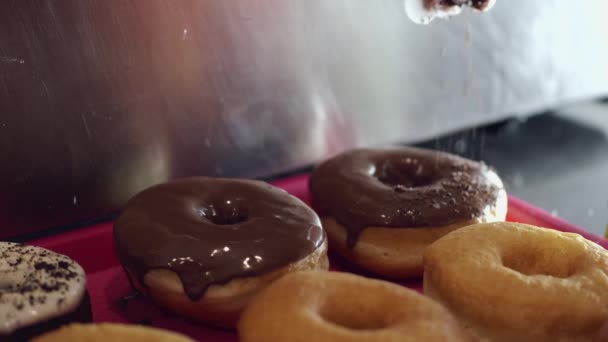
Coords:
39,291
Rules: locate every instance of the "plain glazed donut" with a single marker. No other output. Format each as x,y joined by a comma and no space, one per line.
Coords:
203,247
382,208
40,290
334,306
515,282
110,332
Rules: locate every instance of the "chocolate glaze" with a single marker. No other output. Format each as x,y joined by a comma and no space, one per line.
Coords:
401,188
211,230
477,4
82,314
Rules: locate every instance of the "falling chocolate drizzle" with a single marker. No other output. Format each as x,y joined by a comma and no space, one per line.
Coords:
400,188
477,4
210,231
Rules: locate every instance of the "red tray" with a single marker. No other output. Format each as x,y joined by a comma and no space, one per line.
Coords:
92,247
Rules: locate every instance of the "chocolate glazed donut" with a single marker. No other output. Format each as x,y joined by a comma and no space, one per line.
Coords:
381,208
224,240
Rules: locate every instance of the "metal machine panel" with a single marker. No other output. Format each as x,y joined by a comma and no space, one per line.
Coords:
99,99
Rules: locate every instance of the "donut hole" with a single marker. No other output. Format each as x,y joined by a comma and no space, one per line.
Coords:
532,262
226,212
404,174
353,318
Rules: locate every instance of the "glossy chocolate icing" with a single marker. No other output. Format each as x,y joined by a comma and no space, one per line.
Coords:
401,188
211,230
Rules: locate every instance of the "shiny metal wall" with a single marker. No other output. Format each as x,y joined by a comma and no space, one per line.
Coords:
99,99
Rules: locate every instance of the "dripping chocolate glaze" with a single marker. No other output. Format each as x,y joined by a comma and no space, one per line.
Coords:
211,230
401,188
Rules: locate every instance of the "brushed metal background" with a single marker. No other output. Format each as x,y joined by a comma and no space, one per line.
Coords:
99,99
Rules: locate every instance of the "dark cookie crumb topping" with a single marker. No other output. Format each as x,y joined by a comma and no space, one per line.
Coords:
31,275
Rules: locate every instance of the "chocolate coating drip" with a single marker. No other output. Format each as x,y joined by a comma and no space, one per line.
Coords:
401,188
210,231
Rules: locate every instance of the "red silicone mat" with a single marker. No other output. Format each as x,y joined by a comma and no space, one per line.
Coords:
92,247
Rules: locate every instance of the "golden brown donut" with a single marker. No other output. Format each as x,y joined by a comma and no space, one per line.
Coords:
110,332
516,282
203,247
334,306
382,207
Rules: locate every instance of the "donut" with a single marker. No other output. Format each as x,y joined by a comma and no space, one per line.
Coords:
516,282
114,332
382,207
202,247
40,290
333,306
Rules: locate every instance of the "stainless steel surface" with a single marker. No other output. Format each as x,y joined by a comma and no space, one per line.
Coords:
99,99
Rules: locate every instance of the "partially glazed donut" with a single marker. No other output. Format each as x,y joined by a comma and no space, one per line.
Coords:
39,291
334,306
515,282
202,247
382,207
